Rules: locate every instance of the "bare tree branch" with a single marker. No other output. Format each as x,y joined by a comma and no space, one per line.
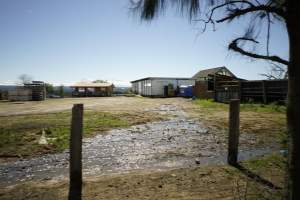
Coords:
239,12
234,46
269,76
234,9
276,71
268,33
209,15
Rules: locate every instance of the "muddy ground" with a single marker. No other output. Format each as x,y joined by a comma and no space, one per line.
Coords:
206,183
192,137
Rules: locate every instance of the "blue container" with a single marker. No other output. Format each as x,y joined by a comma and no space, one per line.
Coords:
185,91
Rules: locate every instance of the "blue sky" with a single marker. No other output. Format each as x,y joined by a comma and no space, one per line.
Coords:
65,41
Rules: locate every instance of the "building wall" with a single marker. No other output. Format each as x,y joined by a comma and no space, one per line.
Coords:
159,84
38,90
155,87
148,87
186,82
201,90
92,91
21,94
142,87
134,88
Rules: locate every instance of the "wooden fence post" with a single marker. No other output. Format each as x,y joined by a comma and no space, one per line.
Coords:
75,153
234,125
264,92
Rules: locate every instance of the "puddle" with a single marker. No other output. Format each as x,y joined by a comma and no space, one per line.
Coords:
175,143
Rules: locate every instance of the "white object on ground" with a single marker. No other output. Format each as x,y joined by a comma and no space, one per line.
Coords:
43,139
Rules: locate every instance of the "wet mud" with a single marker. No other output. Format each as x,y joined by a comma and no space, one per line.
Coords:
179,142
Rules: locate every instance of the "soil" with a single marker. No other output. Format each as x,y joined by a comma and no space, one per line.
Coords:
183,157
180,142
206,183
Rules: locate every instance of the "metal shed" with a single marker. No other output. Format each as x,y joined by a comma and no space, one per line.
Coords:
160,86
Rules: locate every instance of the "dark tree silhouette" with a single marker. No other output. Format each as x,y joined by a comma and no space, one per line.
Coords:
25,78
260,11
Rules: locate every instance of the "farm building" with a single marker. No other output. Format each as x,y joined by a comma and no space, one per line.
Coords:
38,90
205,81
19,94
264,91
222,85
35,91
217,83
204,74
163,86
91,89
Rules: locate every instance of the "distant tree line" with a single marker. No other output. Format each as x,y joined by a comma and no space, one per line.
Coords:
52,90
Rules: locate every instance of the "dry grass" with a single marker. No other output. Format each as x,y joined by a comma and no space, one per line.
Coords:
102,104
211,182
261,124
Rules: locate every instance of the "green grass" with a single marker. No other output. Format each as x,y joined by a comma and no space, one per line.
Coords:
210,104
19,135
264,108
269,167
269,108
272,168
267,123
266,162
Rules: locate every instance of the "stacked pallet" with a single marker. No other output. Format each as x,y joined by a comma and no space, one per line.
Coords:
38,90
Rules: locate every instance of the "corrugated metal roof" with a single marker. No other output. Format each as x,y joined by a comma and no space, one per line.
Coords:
91,84
211,71
164,78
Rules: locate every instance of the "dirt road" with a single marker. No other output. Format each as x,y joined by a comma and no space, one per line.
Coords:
180,142
109,104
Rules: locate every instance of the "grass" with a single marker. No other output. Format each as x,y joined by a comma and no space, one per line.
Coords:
260,108
266,162
264,124
271,168
19,134
209,182
210,104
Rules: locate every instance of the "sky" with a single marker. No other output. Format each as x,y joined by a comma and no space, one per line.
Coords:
66,41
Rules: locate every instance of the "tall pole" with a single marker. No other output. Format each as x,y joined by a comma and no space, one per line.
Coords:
75,153
234,131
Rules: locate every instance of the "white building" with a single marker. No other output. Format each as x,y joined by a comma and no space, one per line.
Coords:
158,86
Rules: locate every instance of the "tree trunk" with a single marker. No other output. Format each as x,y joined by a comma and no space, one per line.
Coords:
293,108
